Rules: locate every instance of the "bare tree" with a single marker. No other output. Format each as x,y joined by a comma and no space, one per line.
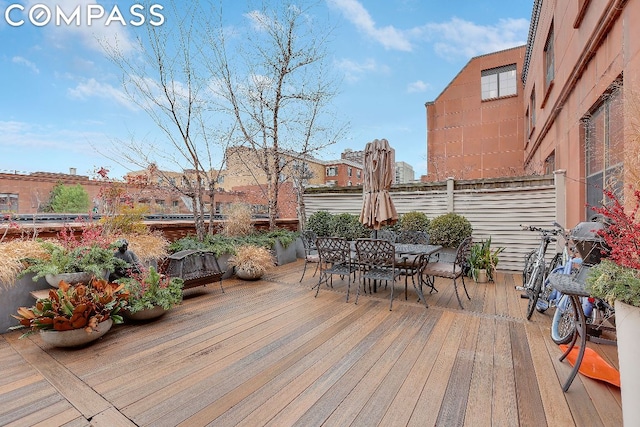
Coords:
274,82
165,76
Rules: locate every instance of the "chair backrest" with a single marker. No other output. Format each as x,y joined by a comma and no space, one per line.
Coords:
388,235
309,240
333,250
375,253
462,254
413,237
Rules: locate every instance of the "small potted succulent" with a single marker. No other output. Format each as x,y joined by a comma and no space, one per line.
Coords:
251,261
151,294
74,314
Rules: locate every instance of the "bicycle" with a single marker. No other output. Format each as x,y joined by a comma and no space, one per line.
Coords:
535,272
600,317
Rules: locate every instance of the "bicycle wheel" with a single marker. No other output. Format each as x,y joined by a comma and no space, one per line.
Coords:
528,267
534,286
563,323
555,263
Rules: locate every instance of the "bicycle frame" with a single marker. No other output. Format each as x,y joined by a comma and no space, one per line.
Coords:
537,276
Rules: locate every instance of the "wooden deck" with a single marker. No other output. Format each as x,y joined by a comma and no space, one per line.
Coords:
269,353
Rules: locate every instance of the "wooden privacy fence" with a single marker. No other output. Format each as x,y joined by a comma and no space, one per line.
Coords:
495,207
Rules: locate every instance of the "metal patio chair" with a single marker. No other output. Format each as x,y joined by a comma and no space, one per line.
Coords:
310,251
409,265
376,261
451,270
335,259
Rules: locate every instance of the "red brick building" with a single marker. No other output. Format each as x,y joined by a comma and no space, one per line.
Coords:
581,77
26,194
475,127
574,108
343,173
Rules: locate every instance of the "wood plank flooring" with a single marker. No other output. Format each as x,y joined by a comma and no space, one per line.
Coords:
270,353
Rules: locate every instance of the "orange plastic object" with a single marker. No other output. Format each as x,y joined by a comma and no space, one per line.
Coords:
593,366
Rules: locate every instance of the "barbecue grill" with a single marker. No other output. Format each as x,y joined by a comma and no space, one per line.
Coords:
589,243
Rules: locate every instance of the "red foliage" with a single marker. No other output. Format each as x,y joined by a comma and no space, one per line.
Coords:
623,232
92,234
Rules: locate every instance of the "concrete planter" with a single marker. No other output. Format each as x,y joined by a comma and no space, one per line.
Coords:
16,296
299,248
75,337
146,314
627,327
284,255
223,262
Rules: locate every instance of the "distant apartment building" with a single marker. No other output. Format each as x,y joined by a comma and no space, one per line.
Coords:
404,173
343,173
243,179
475,127
354,156
22,193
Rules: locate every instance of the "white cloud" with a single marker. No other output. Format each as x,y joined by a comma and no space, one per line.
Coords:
452,38
92,36
23,61
91,88
353,71
389,37
418,86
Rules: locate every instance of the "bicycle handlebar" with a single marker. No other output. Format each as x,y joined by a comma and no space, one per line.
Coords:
555,231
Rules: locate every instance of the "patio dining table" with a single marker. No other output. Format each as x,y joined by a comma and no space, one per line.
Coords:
403,249
417,250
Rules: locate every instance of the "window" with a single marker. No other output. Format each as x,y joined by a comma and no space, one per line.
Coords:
498,82
604,147
220,179
550,164
332,171
349,171
532,111
175,203
548,59
160,202
358,173
8,202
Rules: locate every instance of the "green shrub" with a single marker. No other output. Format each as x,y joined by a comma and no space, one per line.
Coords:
348,226
220,244
320,222
449,230
414,221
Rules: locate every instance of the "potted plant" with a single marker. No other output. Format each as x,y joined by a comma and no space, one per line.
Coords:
617,280
150,294
251,261
89,261
74,314
483,261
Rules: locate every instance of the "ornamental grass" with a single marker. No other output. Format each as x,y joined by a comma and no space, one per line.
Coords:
11,255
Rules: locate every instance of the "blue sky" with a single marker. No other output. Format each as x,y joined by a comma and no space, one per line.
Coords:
61,97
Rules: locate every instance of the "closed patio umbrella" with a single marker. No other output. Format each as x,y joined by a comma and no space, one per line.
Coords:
377,207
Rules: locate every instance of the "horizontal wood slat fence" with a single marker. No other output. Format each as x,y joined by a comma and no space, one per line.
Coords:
495,207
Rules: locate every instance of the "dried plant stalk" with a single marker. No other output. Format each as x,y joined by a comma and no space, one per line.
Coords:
147,246
11,254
